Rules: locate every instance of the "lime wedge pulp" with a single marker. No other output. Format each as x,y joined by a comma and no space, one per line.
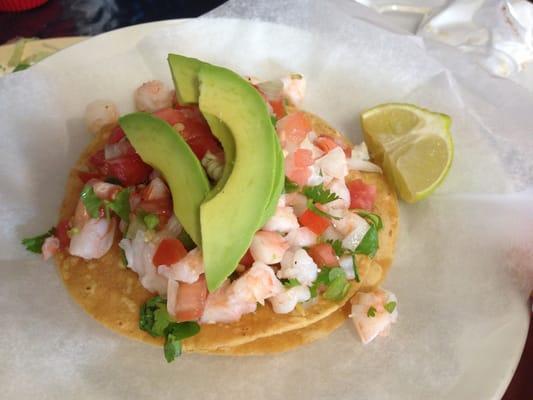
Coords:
414,147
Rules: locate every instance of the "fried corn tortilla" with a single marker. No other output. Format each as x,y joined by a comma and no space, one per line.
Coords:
113,295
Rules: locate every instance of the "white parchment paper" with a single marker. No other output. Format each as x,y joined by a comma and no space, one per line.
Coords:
463,314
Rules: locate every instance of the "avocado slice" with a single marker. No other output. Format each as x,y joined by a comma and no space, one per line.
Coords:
230,219
185,76
159,145
184,72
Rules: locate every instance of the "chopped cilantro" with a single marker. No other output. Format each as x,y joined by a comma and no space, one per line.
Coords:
390,306
123,258
337,247
151,221
175,333
335,273
319,194
355,268
311,206
373,218
21,67
371,312
121,204
156,320
290,186
369,245
289,283
91,201
321,279
35,244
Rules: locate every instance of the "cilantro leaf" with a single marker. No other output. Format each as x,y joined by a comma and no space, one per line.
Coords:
319,194
355,268
321,279
311,206
373,218
91,201
337,247
290,186
151,221
175,333
35,244
21,67
153,319
369,245
121,204
371,312
289,283
390,306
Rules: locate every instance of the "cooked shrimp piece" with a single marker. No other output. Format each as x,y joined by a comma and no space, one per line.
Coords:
105,191
338,186
221,307
297,166
373,313
333,164
292,130
301,237
296,263
156,190
81,216
308,144
348,222
287,300
50,247
100,114
297,201
257,284
283,220
189,268
139,254
294,88
268,247
94,239
153,96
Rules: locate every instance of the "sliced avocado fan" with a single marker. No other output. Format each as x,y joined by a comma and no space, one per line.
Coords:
160,146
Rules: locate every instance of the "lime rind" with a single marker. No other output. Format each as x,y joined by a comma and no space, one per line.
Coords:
392,130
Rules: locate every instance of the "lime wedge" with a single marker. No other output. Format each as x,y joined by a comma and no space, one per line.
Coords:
413,145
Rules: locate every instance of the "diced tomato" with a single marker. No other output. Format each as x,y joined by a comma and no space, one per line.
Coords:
195,130
247,260
87,176
190,300
362,195
97,159
116,135
325,143
323,255
314,222
62,233
278,107
161,207
168,252
129,170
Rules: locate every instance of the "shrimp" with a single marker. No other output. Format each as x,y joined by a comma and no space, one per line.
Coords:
105,191
338,186
333,164
348,222
100,114
189,268
297,166
301,237
81,216
292,130
308,144
296,263
257,284
297,201
153,96
231,301
294,88
285,302
373,313
94,239
268,247
50,247
139,254
282,221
